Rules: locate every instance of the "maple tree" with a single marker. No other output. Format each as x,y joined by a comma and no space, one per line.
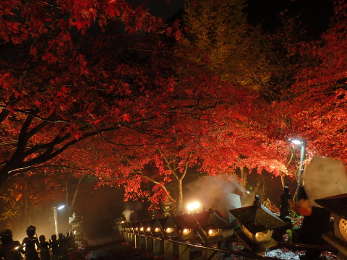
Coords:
107,89
316,106
219,36
209,130
204,118
23,194
68,72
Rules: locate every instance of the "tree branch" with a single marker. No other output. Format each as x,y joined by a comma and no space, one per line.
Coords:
30,113
30,168
161,185
168,164
18,155
186,166
37,128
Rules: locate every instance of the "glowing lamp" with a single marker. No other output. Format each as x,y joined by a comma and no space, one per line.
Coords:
186,231
213,232
194,206
169,230
148,229
296,141
61,207
337,206
157,230
262,237
257,224
142,229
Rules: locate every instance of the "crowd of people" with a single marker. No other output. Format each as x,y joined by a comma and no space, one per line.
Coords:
35,248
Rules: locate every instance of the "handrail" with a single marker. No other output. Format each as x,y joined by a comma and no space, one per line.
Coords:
225,251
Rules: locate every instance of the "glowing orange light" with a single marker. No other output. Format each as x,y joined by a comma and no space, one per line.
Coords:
186,231
157,230
194,206
213,232
169,230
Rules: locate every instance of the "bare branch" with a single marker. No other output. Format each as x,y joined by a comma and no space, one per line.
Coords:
161,185
34,115
168,164
30,168
37,128
186,166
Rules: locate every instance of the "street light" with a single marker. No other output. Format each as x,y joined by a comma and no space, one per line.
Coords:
55,214
300,143
296,141
61,207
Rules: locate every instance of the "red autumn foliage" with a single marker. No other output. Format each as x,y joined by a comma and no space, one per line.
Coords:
116,101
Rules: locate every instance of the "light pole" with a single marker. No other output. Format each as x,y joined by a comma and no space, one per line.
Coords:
299,143
55,214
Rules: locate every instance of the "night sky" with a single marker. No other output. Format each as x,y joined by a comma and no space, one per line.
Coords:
313,14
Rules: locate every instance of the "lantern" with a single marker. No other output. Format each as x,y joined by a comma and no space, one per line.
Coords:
337,205
257,224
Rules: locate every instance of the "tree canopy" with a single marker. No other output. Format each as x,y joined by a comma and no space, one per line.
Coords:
110,90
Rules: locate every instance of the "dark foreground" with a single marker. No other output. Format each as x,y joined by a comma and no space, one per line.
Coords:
114,250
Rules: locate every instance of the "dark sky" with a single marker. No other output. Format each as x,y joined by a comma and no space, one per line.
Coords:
314,14
162,8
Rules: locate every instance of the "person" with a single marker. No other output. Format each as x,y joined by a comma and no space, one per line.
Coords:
30,243
316,222
44,248
62,246
9,249
70,240
54,245
284,210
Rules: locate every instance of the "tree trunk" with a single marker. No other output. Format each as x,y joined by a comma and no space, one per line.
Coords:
4,175
27,204
77,189
243,177
67,192
180,206
3,179
283,180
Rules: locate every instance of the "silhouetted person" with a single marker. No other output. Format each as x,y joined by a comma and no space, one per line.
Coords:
70,240
284,210
62,246
9,249
44,248
30,243
55,247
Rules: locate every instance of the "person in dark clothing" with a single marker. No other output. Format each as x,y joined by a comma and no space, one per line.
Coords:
44,248
31,243
9,249
316,222
62,246
284,210
55,247
70,240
